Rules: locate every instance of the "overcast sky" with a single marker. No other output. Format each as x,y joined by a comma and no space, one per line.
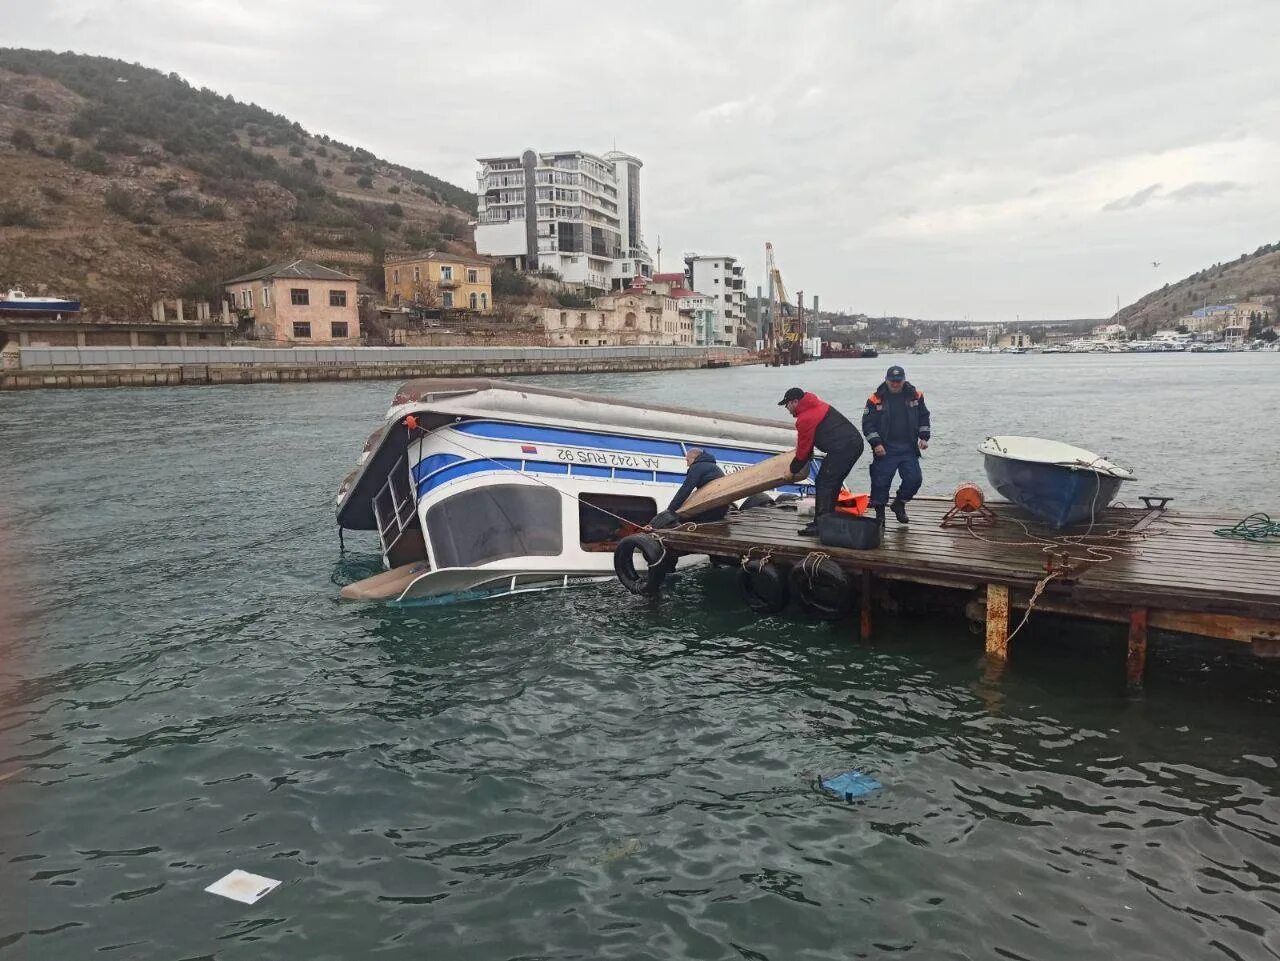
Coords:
931,159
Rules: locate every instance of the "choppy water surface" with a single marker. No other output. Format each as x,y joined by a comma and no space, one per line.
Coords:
583,774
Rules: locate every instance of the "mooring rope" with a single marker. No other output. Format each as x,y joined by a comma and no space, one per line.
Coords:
1259,528
1035,596
1098,548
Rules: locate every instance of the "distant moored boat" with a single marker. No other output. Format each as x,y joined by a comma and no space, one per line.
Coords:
16,302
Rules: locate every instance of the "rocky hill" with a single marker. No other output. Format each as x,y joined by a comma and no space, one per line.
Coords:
122,184
1253,276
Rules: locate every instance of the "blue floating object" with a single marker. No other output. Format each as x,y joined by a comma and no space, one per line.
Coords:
850,785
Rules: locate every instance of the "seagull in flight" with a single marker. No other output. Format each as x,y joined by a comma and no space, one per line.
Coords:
1155,263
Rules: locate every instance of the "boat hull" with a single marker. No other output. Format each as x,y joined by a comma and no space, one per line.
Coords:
39,306
1060,496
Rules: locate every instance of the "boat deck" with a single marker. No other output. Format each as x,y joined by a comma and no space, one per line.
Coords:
1140,565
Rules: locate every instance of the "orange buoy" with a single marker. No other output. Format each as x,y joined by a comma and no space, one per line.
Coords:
968,497
970,508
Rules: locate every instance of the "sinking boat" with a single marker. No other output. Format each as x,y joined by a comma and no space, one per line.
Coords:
482,488
1056,483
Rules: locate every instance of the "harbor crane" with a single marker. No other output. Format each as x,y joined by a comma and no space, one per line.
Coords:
784,344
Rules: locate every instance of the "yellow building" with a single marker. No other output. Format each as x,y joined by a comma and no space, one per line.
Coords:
439,279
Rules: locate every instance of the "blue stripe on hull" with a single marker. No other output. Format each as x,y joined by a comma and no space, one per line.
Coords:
454,470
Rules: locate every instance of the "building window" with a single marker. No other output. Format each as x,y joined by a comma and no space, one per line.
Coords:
417,275
266,296
246,298
630,320
338,329
446,299
302,329
564,318
395,276
300,297
337,298
446,272
484,301
475,301
473,275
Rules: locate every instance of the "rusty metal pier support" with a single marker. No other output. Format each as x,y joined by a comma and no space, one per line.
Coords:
1137,649
997,622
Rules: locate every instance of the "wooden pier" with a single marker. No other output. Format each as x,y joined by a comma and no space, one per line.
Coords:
1141,567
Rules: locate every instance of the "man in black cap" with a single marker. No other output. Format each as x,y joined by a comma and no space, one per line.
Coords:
896,422
820,425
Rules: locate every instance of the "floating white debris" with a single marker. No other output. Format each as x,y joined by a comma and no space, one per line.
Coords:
243,887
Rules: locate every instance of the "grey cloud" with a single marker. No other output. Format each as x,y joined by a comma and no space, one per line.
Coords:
1199,189
1133,200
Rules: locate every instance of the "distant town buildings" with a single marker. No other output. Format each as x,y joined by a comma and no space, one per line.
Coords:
966,341
1232,320
720,278
297,300
443,280
1110,332
572,212
637,316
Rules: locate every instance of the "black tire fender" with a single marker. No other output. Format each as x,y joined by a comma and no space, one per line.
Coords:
756,500
823,589
660,561
765,585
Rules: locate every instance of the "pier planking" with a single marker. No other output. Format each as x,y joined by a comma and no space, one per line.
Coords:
1178,575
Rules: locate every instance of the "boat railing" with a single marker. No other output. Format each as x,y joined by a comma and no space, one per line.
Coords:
394,506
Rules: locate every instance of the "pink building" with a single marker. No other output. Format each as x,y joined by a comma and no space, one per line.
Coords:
298,301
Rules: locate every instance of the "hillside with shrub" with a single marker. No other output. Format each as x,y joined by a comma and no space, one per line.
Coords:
123,184
1254,276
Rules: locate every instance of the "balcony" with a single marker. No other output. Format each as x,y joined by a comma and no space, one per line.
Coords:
448,283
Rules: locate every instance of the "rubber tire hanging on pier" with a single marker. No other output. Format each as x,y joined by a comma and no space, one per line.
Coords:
823,589
765,585
660,561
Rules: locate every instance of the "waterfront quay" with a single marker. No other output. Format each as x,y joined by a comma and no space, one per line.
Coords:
69,367
1147,567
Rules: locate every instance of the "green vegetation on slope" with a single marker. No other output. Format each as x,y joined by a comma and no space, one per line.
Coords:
123,184
1249,277
128,100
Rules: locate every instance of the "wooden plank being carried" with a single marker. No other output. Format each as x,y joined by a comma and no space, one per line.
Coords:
764,476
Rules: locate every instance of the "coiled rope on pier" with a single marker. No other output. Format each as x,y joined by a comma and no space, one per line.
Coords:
1257,527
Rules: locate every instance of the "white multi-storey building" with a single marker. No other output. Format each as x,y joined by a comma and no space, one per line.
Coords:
572,212
720,278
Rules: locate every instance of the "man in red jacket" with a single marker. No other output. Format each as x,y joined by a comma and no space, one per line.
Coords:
821,426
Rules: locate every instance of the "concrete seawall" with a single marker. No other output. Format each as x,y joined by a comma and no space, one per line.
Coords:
67,368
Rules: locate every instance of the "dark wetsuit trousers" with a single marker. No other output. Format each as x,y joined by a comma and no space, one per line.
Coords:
836,465
898,459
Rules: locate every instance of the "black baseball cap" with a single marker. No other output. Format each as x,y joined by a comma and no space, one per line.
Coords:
793,393
895,373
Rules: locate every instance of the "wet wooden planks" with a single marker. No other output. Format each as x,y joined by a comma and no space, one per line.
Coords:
1177,562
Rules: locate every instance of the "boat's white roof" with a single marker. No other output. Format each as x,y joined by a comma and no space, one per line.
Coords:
1038,450
478,397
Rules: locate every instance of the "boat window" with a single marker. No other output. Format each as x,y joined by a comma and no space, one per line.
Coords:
495,522
596,520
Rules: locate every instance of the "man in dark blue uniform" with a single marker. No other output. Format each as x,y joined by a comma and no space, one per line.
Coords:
896,425
703,469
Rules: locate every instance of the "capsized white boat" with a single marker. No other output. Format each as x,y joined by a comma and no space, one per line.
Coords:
1057,483
481,487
